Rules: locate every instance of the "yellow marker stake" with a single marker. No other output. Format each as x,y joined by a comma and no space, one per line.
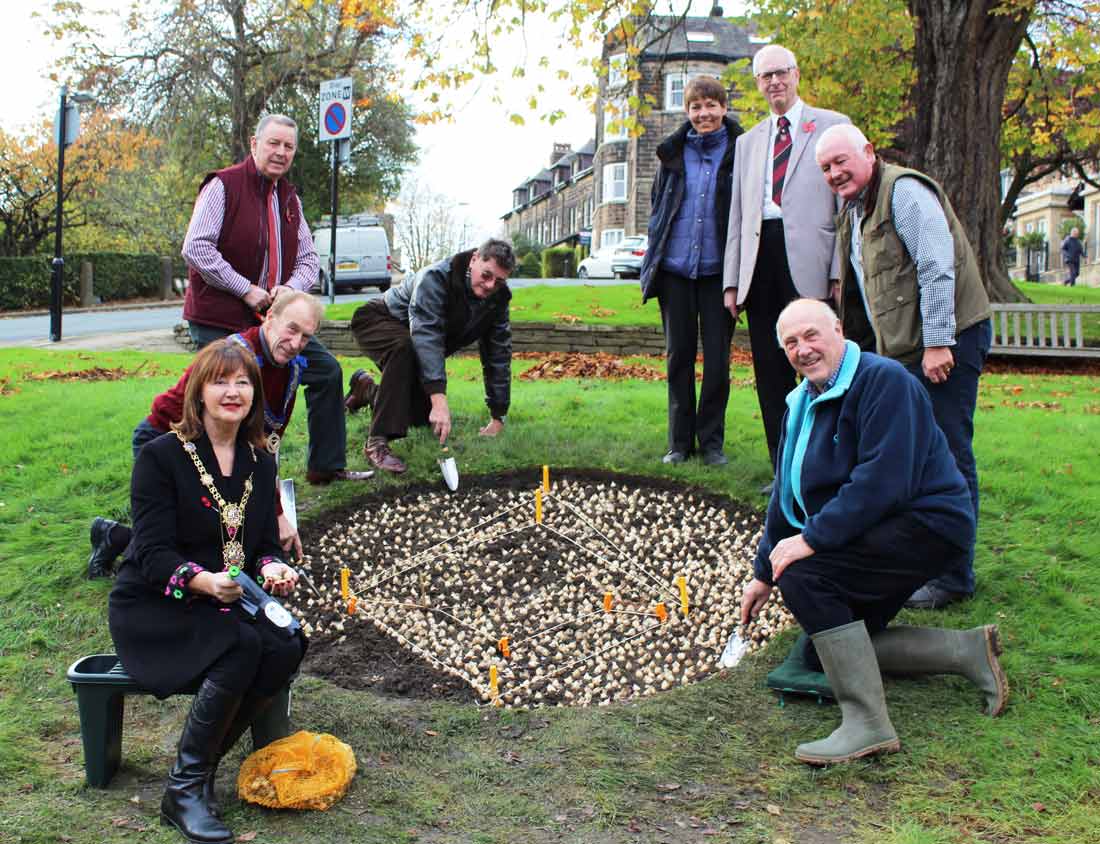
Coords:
344,575
546,478
538,506
493,687
681,581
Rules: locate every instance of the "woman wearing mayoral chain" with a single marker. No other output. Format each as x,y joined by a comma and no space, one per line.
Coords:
203,500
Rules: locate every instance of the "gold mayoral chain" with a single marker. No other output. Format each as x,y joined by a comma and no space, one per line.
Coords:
231,515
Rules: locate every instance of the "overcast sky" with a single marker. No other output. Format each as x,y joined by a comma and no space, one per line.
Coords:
476,161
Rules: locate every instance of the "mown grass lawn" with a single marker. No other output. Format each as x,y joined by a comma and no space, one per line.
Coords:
613,304
446,773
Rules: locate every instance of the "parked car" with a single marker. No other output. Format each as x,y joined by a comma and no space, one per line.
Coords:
362,256
597,265
626,261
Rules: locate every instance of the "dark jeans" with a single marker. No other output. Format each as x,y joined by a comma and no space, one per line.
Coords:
143,433
401,402
324,383
263,660
953,403
1073,268
770,292
691,307
869,579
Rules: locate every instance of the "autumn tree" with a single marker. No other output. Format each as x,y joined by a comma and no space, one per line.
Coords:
106,150
201,74
960,90
427,226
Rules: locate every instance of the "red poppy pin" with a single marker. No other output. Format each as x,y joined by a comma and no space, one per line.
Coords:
205,501
808,126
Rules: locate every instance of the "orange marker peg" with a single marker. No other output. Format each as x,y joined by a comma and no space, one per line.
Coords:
344,575
352,604
661,611
681,581
545,478
538,505
608,599
504,648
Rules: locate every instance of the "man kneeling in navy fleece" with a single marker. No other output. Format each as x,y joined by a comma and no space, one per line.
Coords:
868,504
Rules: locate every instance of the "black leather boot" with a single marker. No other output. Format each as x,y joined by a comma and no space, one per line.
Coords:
252,708
184,803
101,563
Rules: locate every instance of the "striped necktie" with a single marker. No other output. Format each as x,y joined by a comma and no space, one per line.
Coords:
781,154
272,241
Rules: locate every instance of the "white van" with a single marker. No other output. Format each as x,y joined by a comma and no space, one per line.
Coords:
362,256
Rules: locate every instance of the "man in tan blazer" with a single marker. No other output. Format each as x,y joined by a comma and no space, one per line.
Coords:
781,241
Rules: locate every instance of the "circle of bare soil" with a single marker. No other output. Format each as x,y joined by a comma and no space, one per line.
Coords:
468,596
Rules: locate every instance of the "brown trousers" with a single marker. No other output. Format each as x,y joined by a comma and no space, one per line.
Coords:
401,400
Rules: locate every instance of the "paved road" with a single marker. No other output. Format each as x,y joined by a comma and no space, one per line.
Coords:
127,328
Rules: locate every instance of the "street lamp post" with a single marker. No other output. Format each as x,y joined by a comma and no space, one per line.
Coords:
68,127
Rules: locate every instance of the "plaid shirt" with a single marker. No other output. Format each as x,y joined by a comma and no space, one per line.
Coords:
922,226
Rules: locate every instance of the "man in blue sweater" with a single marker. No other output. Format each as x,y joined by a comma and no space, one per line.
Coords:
868,505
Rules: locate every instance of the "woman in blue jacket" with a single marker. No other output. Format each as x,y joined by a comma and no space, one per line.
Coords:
682,267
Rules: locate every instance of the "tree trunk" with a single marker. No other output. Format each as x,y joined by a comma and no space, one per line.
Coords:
963,54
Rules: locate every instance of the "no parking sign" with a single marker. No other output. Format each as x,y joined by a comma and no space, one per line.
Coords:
334,118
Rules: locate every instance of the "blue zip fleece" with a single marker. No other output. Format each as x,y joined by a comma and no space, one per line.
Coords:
866,449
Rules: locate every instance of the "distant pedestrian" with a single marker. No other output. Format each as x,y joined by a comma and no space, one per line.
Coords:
1072,253
690,199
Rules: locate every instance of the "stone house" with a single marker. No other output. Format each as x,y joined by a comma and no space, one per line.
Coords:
599,194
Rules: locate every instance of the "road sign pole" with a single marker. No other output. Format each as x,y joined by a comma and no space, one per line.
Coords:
332,238
57,278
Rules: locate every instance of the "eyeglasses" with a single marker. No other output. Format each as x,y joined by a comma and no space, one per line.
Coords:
487,276
779,75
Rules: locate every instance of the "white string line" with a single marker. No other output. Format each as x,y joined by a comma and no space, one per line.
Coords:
556,671
376,582
576,620
584,519
619,566
634,563
430,608
416,649
453,537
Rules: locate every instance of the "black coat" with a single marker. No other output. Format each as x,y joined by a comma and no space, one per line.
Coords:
444,315
165,643
668,192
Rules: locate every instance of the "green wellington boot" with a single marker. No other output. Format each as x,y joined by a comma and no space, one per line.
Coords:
794,675
849,661
928,650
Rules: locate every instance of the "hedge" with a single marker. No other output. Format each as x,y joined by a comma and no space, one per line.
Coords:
25,282
528,266
558,262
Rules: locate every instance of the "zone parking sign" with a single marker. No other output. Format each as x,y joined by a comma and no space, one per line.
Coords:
335,114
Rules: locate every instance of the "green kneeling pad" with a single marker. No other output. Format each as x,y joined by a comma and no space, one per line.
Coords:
795,676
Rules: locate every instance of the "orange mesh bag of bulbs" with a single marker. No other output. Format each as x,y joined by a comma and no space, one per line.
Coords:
302,771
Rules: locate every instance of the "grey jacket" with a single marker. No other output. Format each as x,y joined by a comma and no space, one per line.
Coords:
444,315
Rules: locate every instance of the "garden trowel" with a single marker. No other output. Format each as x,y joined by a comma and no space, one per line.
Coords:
736,647
449,469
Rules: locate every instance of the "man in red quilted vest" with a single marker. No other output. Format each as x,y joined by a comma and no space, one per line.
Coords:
247,243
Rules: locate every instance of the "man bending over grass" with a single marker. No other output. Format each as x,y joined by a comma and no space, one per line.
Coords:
411,330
